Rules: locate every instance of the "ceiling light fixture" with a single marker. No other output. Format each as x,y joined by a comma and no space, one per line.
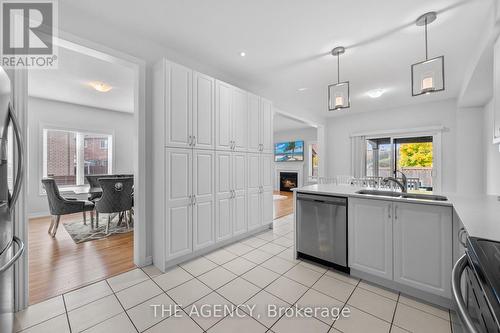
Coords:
100,86
338,93
427,76
302,89
376,93
242,54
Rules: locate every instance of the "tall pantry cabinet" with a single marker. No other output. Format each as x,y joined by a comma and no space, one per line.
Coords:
212,163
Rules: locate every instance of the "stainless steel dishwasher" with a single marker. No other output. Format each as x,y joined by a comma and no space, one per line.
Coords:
322,229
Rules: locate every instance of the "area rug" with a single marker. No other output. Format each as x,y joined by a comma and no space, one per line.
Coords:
279,197
82,233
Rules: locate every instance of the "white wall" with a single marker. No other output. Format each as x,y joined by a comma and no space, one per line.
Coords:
470,161
491,152
307,135
442,113
46,112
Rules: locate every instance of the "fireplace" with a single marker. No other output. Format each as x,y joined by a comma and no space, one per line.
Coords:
288,181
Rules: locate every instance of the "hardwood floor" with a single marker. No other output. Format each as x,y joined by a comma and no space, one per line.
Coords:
58,265
283,207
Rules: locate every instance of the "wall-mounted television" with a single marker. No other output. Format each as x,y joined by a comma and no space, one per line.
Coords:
292,151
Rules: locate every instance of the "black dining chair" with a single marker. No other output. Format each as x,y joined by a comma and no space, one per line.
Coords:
93,181
62,206
117,197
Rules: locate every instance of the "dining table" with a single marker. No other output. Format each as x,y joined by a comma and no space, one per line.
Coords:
87,190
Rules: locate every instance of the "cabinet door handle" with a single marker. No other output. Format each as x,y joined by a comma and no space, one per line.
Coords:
194,200
190,140
194,140
396,212
389,211
190,200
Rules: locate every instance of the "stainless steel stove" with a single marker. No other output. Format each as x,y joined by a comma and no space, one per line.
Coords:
478,295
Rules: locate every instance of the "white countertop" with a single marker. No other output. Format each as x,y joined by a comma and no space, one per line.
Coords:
480,214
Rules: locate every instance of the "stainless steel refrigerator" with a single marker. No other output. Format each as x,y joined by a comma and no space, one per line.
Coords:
11,156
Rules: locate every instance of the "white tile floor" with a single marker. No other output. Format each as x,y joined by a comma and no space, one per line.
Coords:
257,271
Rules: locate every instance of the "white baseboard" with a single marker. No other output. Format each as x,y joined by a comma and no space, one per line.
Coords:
147,261
35,215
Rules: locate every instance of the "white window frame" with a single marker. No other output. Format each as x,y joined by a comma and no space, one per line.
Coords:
80,146
309,166
435,132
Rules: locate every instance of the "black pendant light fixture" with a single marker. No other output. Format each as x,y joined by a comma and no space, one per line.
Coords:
338,93
427,76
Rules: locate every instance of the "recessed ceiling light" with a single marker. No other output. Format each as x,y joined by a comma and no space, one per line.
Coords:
302,89
100,86
242,54
376,93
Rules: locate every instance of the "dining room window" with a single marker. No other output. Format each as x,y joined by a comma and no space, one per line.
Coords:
69,156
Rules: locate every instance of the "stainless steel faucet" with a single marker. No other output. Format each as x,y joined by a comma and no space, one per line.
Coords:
403,185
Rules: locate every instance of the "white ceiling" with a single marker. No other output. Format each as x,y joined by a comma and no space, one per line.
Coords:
70,82
288,42
283,123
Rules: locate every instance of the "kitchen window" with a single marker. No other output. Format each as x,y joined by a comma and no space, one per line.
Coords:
412,155
68,156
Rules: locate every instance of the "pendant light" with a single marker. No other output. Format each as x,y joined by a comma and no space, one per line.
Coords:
427,76
338,93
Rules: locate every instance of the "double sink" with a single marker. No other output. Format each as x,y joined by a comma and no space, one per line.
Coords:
394,194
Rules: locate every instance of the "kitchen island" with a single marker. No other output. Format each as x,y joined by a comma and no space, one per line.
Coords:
408,244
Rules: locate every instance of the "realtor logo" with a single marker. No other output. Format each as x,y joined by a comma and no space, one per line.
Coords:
28,33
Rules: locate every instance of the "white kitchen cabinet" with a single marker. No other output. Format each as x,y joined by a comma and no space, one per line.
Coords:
408,243
223,195
178,202
254,166
231,117
267,170
423,256
200,167
223,121
254,191
239,119
370,236
260,129
231,194
496,91
254,216
254,124
260,190
203,198
239,186
178,105
267,206
267,126
189,108
203,124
